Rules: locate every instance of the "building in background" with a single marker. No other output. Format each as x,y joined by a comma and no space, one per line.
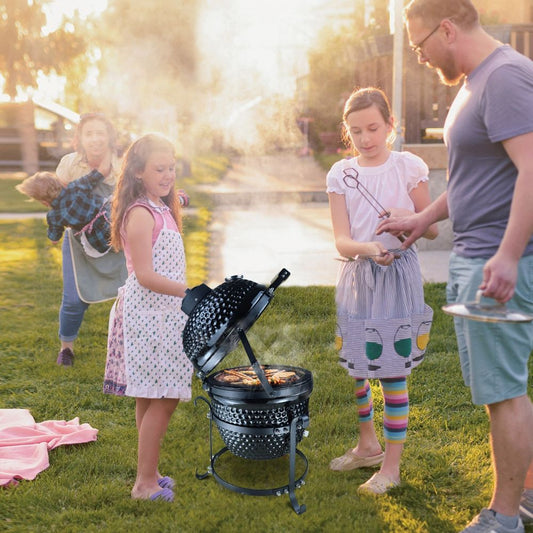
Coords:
34,134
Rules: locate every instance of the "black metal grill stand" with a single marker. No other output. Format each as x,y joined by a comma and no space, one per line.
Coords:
296,424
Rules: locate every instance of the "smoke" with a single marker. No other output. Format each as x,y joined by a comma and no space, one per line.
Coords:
251,62
227,74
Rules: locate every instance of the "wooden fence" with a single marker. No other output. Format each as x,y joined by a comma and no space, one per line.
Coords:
426,100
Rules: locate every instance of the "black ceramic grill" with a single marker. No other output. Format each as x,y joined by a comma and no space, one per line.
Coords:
221,308
261,412
256,425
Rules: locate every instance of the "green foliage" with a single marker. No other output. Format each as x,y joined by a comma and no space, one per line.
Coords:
446,467
331,76
332,66
326,160
25,50
207,169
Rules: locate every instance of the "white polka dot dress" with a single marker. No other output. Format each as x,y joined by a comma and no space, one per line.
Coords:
155,364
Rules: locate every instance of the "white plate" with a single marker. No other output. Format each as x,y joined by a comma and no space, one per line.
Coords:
486,313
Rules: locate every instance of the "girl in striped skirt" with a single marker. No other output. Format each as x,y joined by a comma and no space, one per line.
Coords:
383,322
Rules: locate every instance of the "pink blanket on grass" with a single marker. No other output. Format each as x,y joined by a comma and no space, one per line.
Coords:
24,444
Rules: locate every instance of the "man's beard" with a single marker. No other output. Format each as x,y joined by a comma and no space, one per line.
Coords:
449,75
449,78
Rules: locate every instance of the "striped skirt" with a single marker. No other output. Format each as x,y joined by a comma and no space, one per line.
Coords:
383,323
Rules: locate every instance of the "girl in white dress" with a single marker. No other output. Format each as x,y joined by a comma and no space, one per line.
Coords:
145,352
383,322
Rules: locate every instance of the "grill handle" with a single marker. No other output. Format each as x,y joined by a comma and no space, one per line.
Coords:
193,297
255,364
278,280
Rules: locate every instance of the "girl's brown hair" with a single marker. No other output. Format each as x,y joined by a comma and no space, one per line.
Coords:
363,99
129,188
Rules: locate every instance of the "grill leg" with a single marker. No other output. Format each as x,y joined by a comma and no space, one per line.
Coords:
297,423
302,422
210,416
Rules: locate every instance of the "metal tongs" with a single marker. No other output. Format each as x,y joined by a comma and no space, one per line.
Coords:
351,180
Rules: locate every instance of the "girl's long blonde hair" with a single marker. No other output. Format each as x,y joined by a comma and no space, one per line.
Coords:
129,189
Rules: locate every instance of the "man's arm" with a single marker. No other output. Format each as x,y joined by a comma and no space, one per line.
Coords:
414,226
500,272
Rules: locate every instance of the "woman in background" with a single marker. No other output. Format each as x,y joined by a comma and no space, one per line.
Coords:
87,279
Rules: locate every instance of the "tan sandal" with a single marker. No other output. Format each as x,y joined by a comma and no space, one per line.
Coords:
351,461
378,484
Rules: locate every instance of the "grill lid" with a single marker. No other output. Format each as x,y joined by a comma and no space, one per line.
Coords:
219,318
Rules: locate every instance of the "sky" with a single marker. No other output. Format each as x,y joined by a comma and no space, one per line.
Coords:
56,9
254,33
264,51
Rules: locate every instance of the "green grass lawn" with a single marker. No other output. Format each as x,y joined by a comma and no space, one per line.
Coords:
446,467
12,201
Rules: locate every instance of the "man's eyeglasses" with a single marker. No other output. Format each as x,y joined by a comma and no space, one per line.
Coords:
417,48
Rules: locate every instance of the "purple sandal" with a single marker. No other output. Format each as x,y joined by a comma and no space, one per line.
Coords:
166,482
164,494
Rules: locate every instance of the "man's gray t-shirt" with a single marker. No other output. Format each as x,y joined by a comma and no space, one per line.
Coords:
494,104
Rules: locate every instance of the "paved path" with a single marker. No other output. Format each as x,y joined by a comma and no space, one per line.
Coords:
272,213
19,216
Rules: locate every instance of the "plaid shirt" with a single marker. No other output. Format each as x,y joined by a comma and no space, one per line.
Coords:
76,207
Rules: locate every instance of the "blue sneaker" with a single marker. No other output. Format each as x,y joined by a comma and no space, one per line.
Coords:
486,522
526,506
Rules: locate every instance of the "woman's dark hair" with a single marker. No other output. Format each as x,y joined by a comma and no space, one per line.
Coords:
87,117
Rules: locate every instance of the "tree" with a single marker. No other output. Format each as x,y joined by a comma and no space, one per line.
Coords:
331,76
148,63
332,67
25,50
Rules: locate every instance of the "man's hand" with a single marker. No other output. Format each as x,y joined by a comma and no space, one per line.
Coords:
499,278
412,227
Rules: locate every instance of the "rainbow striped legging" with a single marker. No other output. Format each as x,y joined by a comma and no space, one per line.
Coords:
396,412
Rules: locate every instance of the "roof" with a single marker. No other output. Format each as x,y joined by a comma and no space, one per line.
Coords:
57,109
